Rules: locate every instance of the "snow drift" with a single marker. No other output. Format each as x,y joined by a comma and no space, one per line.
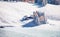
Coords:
11,13
52,11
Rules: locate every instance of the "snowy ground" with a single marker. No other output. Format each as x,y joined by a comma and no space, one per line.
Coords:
11,13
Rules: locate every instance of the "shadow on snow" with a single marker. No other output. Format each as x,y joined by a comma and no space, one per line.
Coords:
30,24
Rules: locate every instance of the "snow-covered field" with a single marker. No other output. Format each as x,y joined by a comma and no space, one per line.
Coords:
11,13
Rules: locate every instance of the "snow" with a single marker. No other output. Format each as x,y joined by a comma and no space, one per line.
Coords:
53,10
11,13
